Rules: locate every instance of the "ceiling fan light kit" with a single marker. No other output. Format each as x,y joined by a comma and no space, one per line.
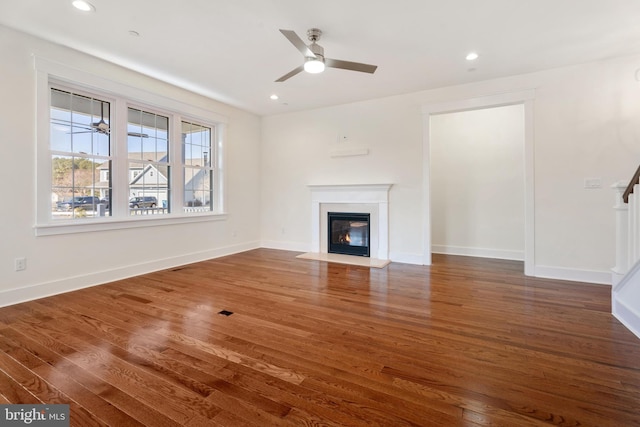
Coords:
314,59
313,65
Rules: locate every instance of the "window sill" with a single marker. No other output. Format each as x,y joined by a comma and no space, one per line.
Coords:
90,225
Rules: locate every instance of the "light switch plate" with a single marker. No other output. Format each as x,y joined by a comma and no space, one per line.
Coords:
592,183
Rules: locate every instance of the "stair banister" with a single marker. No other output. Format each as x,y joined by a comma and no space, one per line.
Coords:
622,233
629,190
625,278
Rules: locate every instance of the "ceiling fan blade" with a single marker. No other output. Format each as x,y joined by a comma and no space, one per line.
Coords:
94,130
298,43
138,134
348,65
291,74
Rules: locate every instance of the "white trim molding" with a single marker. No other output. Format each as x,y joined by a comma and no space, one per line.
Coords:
525,97
572,274
68,284
478,252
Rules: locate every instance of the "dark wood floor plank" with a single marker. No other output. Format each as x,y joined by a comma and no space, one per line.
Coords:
79,366
55,370
44,391
14,391
464,342
125,374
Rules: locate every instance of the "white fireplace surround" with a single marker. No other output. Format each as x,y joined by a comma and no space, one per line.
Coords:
362,198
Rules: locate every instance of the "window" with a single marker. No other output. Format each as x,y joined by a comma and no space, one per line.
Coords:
198,172
110,161
80,162
148,153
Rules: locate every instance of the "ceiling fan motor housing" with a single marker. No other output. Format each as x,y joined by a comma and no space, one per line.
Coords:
314,34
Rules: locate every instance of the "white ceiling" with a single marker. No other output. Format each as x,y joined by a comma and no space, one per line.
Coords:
232,51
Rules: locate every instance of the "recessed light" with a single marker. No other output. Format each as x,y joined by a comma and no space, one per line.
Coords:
83,5
134,33
274,97
472,56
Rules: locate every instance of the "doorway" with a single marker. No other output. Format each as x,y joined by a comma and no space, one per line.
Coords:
465,237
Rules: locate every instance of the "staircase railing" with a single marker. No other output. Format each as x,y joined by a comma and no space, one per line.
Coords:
625,278
627,207
629,190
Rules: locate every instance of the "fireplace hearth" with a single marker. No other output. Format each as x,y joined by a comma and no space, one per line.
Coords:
348,233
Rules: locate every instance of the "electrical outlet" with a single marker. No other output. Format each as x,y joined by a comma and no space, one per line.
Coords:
20,264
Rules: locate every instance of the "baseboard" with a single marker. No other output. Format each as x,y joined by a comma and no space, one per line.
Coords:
574,275
626,315
478,252
42,290
406,258
624,300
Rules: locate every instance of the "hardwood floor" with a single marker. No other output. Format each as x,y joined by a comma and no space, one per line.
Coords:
465,342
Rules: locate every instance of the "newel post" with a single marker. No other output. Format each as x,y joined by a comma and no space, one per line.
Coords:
622,234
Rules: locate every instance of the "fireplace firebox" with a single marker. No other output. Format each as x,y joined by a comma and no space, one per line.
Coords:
348,233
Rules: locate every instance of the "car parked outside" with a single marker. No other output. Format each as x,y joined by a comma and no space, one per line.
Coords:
78,202
143,202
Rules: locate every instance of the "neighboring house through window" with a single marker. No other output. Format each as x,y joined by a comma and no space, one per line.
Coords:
148,155
198,170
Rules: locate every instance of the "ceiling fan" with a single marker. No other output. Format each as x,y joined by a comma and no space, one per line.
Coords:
314,59
103,127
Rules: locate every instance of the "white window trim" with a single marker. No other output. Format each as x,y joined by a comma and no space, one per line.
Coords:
48,71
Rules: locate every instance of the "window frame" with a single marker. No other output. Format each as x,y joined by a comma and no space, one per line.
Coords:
214,163
171,151
52,74
72,152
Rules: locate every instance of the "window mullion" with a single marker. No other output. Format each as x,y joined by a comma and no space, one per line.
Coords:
176,160
120,165
219,175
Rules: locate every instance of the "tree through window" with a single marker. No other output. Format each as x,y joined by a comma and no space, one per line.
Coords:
80,150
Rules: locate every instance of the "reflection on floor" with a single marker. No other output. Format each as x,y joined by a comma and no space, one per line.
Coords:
347,259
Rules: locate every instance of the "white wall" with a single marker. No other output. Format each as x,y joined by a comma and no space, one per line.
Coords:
477,182
586,125
63,262
296,151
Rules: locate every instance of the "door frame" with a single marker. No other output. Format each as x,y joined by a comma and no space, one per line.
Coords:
525,98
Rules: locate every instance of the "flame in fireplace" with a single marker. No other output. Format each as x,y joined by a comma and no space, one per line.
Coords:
344,239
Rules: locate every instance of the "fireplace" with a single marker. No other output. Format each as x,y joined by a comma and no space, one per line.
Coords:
348,233
370,199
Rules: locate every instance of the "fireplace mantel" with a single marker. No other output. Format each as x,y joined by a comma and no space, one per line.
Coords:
349,193
372,196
